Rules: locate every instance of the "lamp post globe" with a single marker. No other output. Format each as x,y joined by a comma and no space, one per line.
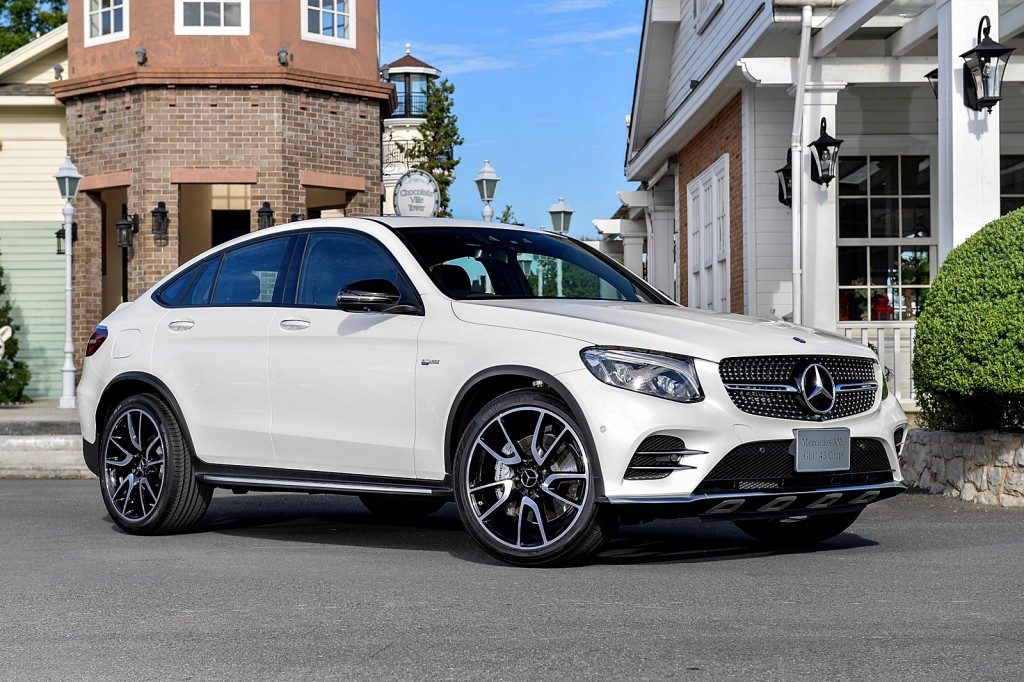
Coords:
68,179
487,184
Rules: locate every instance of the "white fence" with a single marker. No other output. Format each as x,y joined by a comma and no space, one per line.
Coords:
894,343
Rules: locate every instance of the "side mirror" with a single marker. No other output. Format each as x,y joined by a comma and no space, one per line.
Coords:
369,295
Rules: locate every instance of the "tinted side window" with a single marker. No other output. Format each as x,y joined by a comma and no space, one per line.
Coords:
334,260
253,274
171,293
202,285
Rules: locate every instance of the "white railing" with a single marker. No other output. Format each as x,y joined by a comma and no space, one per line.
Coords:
894,343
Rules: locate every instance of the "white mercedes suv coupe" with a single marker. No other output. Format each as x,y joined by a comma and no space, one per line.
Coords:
543,387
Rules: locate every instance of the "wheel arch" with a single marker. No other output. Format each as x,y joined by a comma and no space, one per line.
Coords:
488,384
129,384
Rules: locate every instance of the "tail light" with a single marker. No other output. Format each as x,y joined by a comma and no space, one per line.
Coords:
99,335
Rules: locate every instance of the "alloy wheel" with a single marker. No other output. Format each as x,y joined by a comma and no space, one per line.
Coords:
134,464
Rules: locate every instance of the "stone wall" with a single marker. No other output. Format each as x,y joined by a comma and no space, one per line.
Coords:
985,467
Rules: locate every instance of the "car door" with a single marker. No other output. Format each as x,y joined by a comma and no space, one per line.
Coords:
211,349
342,383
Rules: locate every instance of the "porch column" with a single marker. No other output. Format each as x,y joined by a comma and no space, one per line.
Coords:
661,225
968,192
634,233
820,220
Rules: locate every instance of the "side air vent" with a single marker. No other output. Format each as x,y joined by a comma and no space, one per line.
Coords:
657,457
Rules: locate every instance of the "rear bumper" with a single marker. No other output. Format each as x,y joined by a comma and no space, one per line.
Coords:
753,505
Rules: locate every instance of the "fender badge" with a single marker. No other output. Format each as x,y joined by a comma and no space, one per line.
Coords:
426,361
798,339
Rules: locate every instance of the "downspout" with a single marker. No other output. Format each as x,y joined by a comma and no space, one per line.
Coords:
796,148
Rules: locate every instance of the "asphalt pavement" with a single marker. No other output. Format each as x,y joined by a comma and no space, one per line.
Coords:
283,586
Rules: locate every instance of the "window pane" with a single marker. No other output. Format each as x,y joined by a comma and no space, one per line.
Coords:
334,261
917,218
853,304
913,301
94,26
328,23
853,176
914,267
211,14
232,14
883,175
250,274
885,218
916,176
853,265
314,21
881,304
328,4
199,294
853,218
341,27
118,20
1011,174
1010,204
884,265
190,14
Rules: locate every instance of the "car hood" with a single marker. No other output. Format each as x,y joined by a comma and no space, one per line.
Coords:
671,329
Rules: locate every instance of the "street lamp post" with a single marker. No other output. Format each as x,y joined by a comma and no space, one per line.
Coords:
68,178
561,216
487,184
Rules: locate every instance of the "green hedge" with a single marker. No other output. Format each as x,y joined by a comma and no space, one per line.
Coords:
969,353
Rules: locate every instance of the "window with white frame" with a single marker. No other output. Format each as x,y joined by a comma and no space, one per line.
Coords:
887,250
329,21
707,215
211,17
105,21
703,12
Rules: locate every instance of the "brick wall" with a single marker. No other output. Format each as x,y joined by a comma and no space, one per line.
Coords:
723,135
150,131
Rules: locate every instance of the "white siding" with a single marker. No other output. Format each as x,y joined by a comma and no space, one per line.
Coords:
41,69
770,222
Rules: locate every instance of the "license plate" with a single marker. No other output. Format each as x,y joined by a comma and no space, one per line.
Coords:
822,449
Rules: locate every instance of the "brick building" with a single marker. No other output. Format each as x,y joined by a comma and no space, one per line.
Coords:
213,108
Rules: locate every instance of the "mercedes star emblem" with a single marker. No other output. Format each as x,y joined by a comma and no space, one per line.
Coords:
818,389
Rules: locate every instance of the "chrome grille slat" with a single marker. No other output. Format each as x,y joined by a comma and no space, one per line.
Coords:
765,385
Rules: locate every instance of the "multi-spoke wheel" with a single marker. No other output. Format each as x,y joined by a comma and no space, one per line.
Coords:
147,483
797,531
525,482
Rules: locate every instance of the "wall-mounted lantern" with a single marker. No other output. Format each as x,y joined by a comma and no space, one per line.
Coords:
161,222
785,175
824,157
282,57
265,216
140,55
61,235
126,227
933,80
984,67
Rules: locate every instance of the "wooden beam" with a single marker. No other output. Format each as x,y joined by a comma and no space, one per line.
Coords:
852,16
920,29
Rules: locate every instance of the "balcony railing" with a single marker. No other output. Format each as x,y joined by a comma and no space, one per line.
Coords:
410,106
894,343
394,160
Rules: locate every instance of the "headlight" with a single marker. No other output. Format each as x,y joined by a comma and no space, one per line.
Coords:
672,378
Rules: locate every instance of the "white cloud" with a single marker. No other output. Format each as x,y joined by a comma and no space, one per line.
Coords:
566,6
583,37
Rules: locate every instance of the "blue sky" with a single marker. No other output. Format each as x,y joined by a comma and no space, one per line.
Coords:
542,90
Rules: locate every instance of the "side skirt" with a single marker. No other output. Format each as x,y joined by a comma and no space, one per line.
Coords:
244,479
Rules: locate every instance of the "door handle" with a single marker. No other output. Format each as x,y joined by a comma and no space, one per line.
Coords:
181,325
294,325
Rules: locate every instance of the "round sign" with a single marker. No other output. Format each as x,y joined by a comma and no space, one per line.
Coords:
416,194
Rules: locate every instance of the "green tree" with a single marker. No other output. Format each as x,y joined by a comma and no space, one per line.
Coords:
508,216
22,21
434,152
14,374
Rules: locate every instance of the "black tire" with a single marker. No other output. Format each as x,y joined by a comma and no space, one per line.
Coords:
401,507
146,479
798,531
524,504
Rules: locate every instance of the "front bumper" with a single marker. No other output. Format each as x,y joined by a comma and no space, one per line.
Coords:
758,505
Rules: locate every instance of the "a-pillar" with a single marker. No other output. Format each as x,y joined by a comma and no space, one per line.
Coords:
819,296
968,191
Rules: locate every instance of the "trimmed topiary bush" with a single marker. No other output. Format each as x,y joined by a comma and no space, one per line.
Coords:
14,374
969,353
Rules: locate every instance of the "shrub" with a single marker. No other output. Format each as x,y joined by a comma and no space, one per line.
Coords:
14,374
969,353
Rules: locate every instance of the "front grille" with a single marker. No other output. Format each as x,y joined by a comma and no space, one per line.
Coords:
769,465
783,371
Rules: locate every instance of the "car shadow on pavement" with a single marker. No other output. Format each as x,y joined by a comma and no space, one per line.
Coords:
343,521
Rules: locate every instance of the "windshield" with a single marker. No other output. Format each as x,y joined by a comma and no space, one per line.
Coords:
499,263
